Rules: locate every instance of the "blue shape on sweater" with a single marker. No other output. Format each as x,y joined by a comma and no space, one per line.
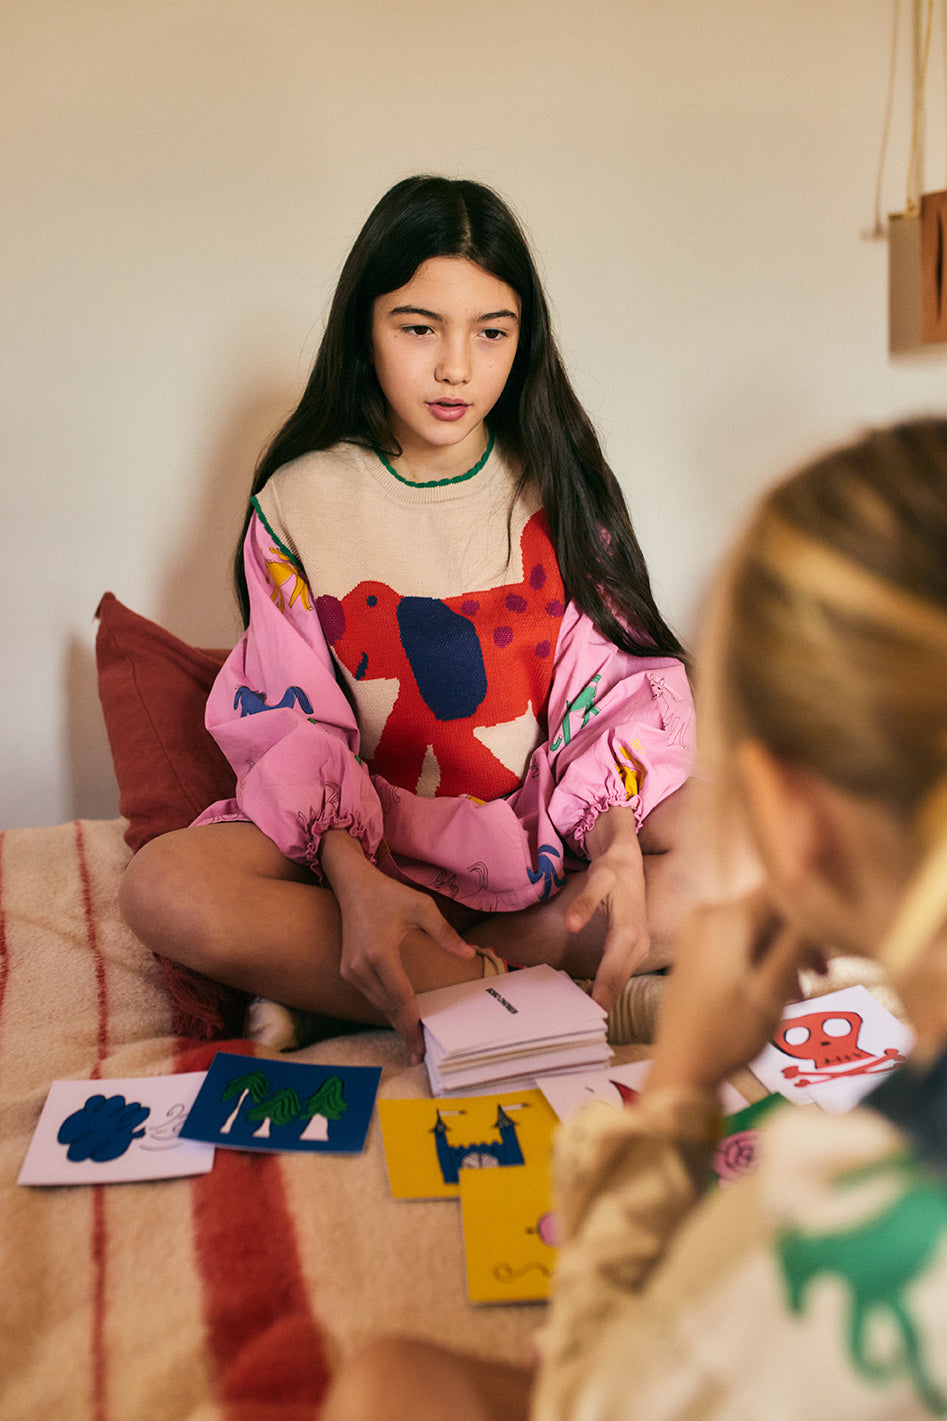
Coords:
443,650
253,702
546,871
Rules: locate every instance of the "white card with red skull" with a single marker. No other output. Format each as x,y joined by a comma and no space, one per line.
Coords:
832,1050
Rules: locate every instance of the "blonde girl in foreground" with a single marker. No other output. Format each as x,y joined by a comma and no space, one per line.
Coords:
818,1284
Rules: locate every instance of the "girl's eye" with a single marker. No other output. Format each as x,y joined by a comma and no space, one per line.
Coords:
494,334
417,330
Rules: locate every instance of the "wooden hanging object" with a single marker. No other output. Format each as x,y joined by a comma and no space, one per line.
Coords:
934,267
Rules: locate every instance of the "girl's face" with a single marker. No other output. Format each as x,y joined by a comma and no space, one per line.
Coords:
443,346
836,862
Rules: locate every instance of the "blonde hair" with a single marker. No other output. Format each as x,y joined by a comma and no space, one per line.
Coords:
827,640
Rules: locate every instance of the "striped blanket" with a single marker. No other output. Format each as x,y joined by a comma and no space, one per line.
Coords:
225,1297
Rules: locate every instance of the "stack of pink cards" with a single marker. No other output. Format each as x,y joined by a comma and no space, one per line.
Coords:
502,1031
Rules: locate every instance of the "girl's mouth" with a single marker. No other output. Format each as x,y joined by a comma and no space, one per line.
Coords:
448,409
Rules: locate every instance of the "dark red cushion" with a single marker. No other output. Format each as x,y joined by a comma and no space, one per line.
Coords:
153,688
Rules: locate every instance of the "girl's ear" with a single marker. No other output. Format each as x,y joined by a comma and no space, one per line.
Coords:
784,815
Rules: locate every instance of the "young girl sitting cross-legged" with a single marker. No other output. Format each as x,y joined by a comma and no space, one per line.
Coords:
458,722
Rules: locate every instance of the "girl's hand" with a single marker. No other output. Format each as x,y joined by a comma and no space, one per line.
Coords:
736,967
614,884
377,914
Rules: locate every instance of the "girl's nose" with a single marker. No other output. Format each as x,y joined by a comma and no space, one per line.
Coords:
453,366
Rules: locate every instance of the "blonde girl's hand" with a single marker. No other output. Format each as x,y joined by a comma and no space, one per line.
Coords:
614,885
378,914
736,967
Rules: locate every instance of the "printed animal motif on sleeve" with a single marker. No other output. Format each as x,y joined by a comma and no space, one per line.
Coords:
675,712
253,702
452,692
630,770
583,706
281,572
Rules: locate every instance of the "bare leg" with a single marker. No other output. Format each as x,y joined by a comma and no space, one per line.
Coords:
223,900
404,1380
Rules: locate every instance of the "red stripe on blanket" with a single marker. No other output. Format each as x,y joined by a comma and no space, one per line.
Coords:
92,938
262,1337
99,1375
99,1238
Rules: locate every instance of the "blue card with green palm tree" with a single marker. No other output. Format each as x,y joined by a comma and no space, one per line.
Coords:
250,1104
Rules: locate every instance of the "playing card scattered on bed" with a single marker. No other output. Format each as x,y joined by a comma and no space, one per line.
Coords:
739,1150
832,1050
509,1233
247,1103
115,1132
618,1086
430,1143
501,1031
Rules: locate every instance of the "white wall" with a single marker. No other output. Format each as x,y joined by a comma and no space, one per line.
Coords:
180,183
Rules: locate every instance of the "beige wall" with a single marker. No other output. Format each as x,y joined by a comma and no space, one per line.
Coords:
180,181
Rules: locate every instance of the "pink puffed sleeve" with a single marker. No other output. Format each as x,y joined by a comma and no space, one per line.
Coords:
621,729
279,715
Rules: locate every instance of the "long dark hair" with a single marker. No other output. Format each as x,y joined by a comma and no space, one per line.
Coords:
537,419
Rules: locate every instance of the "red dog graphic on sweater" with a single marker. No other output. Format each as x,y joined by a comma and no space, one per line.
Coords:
474,663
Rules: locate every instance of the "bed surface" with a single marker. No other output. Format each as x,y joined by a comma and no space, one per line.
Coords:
228,1295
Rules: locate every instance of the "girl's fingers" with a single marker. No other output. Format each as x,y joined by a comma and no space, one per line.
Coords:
601,886
627,940
624,951
438,929
608,983
579,912
737,969
391,991
777,973
380,976
403,1016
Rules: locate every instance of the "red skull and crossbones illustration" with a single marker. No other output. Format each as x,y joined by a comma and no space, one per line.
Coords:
829,1040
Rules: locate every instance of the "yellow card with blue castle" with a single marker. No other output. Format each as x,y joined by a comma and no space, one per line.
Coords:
429,1143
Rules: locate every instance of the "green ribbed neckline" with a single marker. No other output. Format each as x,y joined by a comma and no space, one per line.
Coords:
287,552
440,483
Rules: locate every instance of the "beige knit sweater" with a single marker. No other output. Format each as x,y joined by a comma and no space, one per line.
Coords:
814,1287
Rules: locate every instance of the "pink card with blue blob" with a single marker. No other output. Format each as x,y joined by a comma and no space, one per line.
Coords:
115,1132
